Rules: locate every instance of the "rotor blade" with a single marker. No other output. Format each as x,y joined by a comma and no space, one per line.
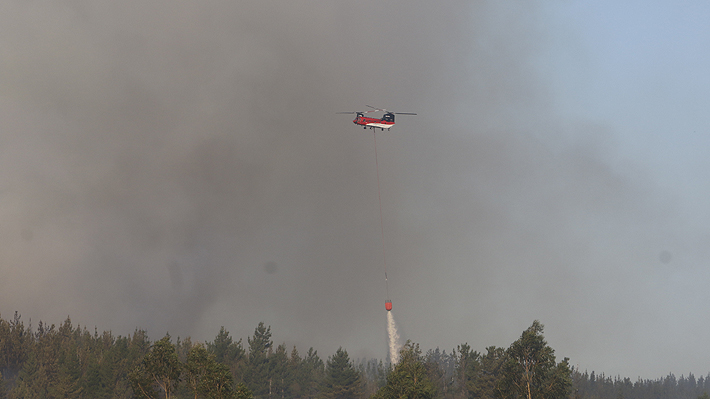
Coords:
384,110
375,109
360,112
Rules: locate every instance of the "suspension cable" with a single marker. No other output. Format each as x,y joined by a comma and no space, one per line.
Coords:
382,225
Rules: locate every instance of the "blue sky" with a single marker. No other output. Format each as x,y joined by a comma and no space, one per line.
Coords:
641,69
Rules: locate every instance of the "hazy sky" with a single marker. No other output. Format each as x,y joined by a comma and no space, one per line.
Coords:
178,166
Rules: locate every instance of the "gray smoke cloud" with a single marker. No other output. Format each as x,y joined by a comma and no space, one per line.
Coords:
178,166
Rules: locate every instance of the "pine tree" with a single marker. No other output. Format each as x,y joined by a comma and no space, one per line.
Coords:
279,371
258,376
309,374
409,377
342,378
242,392
3,387
374,373
440,368
15,341
225,349
128,353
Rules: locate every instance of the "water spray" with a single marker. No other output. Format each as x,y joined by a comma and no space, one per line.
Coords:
393,336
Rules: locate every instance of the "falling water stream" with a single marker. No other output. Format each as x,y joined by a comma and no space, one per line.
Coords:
393,336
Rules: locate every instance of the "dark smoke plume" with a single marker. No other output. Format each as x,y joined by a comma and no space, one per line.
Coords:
178,166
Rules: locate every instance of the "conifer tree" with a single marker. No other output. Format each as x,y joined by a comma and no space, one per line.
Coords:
14,345
258,376
242,392
225,349
280,373
342,378
409,377
374,374
3,387
309,375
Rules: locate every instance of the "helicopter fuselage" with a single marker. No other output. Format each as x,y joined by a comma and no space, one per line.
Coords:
386,122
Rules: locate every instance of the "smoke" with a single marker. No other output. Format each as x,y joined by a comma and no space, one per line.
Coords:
393,342
179,166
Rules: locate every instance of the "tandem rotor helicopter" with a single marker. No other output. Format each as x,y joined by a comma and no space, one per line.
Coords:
386,122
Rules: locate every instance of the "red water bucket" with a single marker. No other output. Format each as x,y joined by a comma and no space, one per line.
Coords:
388,305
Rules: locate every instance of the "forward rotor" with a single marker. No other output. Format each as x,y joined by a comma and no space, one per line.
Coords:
359,112
388,111
376,110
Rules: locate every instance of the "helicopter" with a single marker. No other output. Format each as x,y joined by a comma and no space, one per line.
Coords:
386,122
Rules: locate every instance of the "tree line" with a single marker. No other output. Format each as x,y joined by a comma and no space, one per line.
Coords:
589,385
72,362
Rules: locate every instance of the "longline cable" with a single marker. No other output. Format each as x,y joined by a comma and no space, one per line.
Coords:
382,225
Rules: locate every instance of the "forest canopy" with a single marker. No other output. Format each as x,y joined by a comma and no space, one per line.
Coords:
71,362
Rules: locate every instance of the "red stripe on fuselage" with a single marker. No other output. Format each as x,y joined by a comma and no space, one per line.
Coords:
363,121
